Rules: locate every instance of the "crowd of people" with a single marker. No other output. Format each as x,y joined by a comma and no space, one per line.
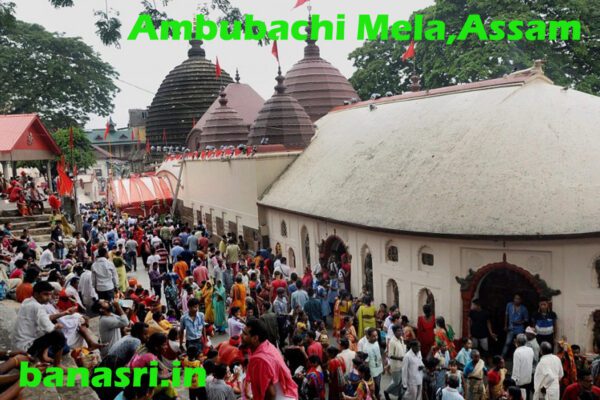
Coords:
258,328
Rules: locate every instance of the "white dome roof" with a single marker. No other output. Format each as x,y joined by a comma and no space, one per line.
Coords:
515,156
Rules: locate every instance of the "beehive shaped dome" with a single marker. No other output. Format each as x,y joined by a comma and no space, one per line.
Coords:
282,120
184,96
316,84
224,126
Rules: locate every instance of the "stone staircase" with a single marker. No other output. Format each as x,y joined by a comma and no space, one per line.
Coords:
38,225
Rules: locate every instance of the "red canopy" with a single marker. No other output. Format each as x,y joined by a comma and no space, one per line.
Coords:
142,195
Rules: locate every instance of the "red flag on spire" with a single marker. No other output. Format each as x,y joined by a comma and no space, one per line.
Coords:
164,136
300,2
218,69
71,139
410,52
107,130
275,50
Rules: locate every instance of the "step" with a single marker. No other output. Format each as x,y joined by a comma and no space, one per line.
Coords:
20,225
16,218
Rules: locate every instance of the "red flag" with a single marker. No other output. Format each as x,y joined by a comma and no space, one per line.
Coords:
300,2
410,52
71,139
65,184
218,69
275,50
147,147
164,136
107,130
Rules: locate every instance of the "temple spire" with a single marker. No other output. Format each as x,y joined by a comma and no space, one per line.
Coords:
280,87
311,50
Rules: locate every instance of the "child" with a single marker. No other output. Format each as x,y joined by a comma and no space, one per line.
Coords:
464,355
191,361
454,371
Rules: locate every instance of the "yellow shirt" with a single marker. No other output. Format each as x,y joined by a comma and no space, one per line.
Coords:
192,364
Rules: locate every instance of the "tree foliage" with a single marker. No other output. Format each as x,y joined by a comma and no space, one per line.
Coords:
82,154
569,63
109,25
61,79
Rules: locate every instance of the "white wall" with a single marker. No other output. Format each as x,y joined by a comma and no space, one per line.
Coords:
567,265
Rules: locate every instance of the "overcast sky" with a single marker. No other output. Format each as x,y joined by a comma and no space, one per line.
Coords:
145,64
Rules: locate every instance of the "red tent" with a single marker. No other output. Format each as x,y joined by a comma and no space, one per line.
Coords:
142,195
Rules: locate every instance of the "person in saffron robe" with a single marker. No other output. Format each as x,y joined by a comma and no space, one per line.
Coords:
218,304
425,330
444,334
565,353
238,295
366,315
181,269
475,372
207,297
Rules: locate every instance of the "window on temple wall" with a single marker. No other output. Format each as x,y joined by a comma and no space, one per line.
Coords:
283,229
392,253
426,256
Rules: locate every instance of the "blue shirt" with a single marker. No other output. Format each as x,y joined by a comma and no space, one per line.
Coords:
175,252
515,315
193,327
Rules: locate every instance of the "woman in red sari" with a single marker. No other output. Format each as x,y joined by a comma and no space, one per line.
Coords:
425,330
351,333
336,368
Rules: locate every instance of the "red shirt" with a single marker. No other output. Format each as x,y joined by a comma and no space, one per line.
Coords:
16,274
572,391
277,283
229,354
266,367
315,349
203,243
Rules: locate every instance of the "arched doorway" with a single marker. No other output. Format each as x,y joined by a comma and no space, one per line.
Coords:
333,246
426,297
497,289
305,246
291,260
367,271
495,285
393,295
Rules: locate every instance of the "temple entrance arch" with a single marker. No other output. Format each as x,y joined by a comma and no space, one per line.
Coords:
333,246
495,285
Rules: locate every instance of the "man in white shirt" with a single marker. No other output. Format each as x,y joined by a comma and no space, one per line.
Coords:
346,354
86,288
395,351
152,258
283,268
34,332
548,374
523,365
47,257
104,276
412,372
374,358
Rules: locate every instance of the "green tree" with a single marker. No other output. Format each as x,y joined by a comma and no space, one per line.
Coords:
82,153
62,79
570,63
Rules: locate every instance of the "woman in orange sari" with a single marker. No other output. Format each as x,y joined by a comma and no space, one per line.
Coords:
207,295
444,334
238,295
351,333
